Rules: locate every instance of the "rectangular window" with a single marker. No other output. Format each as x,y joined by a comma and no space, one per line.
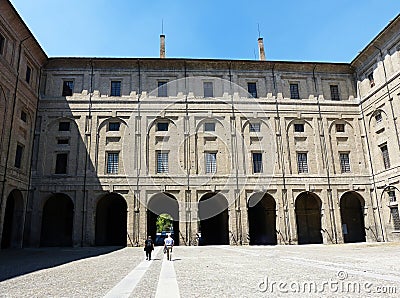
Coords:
23,116
63,141
28,74
114,126
162,126
18,156
208,89
371,79
344,162
162,89
252,89
339,127
302,165
61,163
299,127
392,196
395,217
68,88
211,162
64,126
335,92
209,126
2,44
378,117
294,91
254,127
112,162
115,88
162,162
385,156
257,163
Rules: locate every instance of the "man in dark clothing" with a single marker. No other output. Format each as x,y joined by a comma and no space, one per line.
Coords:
148,247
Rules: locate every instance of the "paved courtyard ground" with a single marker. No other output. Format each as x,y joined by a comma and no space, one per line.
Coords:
348,270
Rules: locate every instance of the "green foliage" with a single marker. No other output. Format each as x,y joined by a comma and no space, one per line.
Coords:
164,223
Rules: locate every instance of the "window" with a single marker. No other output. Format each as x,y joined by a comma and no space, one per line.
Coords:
162,89
2,44
63,141
254,127
344,162
257,163
162,126
252,89
302,162
392,196
210,126
339,127
208,89
385,156
371,79
115,88
299,127
28,74
68,88
294,91
23,116
18,156
394,212
64,126
112,162
211,162
114,126
335,92
162,162
378,117
61,163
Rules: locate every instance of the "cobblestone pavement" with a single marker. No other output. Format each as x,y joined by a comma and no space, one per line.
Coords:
348,270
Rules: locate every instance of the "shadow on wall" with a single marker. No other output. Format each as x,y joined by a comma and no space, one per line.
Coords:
15,263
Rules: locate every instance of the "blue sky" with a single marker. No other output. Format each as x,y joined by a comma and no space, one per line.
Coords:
307,30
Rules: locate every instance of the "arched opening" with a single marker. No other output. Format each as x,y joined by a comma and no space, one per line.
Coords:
111,221
214,219
262,219
57,221
352,215
13,220
308,218
163,204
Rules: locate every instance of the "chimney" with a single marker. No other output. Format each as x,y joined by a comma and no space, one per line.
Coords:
261,48
162,46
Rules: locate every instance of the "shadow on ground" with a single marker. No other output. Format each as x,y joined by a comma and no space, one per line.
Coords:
17,262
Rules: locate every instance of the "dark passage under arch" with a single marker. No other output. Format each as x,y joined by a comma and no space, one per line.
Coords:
13,221
162,203
308,218
111,221
262,219
214,219
57,221
352,215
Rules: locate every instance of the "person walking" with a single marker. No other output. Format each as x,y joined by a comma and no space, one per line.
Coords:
148,247
168,245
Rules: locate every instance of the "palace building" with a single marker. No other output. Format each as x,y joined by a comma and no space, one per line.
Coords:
237,152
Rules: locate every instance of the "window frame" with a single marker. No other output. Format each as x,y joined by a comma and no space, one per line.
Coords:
116,88
2,44
207,126
298,125
210,163
162,88
59,167
19,154
112,165
70,90
61,123
114,126
294,89
160,125
252,93
257,164
254,127
28,74
162,162
302,163
207,91
340,125
385,155
344,159
335,92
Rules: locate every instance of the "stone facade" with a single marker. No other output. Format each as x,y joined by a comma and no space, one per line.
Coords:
225,147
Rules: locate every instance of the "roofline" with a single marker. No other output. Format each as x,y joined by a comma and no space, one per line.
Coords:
370,44
27,28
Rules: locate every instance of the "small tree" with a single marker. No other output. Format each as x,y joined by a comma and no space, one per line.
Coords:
164,222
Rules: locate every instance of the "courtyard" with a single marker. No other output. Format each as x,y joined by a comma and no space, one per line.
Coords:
350,270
